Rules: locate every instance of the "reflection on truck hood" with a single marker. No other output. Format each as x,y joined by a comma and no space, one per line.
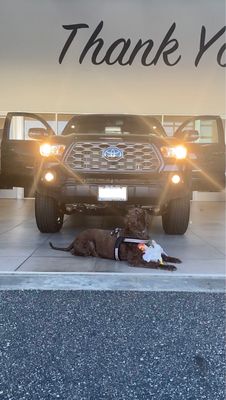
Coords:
155,139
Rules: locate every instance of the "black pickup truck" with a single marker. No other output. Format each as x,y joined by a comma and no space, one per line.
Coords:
110,162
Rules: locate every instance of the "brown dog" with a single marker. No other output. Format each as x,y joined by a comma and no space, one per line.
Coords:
113,245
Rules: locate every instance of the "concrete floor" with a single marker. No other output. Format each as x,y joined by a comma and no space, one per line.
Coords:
23,248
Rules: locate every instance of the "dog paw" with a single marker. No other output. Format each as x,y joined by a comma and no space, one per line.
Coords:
169,259
176,260
169,267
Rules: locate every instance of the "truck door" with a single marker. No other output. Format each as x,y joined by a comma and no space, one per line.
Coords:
207,151
19,153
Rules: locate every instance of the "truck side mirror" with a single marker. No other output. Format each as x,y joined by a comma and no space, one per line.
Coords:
39,133
188,135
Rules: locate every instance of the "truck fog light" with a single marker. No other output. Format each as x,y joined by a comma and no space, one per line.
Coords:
175,179
49,176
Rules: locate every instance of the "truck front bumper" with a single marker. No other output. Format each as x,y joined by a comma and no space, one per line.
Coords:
156,191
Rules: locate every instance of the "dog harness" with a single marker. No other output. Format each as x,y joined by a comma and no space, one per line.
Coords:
122,239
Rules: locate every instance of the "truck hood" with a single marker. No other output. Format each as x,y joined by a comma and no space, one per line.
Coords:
73,138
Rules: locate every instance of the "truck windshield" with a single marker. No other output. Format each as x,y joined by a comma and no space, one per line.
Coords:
113,125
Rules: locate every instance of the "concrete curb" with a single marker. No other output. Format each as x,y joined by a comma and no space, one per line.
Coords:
112,281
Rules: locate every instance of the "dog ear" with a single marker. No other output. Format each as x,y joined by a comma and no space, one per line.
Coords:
130,218
146,217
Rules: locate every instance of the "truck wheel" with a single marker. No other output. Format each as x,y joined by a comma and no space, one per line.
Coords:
176,218
49,217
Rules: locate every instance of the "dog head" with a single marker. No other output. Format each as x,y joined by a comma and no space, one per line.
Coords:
136,223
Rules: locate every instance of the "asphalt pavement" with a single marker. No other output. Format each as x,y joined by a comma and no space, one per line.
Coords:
94,345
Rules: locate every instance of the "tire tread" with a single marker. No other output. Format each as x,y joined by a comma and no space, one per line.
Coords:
176,218
49,219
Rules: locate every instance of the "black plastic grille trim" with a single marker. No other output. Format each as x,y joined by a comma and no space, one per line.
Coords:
138,157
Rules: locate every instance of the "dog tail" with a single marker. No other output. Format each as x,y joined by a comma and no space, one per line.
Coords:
62,248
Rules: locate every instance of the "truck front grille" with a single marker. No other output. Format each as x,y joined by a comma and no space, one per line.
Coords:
88,157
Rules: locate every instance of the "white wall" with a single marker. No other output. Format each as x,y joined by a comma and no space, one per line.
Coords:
32,37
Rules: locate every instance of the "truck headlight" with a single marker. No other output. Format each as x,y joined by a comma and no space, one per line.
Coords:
179,152
47,150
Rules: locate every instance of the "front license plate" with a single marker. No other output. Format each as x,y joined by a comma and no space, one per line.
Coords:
112,193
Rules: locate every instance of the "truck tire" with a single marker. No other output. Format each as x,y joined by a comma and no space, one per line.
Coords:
175,220
49,217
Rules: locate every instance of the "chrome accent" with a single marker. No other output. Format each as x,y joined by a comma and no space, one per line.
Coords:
112,153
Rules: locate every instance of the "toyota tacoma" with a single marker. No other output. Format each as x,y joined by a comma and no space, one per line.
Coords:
104,163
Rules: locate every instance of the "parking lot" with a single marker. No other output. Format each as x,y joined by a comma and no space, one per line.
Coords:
24,249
